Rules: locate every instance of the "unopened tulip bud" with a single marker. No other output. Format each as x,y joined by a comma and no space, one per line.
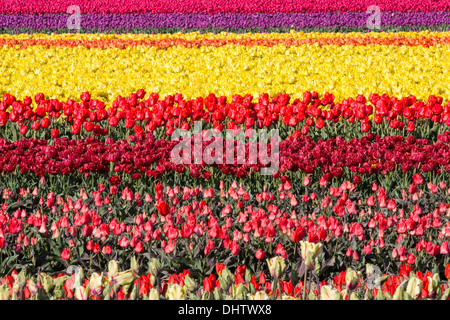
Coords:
113,269
260,295
414,287
134,265
368,295
124,278
314,248
370,270
433,285
189,284
351,279
380,295
58,290
106,290
406,296
20,279
217,294
47,282
225,285
79,278
248,276
82,293
227,276
154,267
353,296
277,265
32,287
241,292
175,292
309,262
206,296
399,293
4,292
446,294
153,294
327,292
153,280
95,283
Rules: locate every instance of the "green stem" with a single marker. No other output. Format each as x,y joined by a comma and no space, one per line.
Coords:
304,285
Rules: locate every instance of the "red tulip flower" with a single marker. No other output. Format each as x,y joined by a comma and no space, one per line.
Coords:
417,179
163,207
65,254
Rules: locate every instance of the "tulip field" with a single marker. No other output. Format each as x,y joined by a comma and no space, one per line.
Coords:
122,178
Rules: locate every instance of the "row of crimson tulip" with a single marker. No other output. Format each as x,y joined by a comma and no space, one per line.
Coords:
190,228
143,157
136,284
379,113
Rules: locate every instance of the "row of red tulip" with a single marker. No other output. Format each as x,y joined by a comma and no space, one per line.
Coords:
142,155
174,112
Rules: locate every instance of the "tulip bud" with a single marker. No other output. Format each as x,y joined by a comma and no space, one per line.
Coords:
446,294
4,292
370,270
95,283
113,269
58,291
153,294
327,292
206,296
175,292
380,295
368,295
241,292
227,275
79,278
47,282
309,262
260,295
134,265
217,294
20,279
353,296
277,265
82,293
189,284
124,278
32,287
310,251
433,285
154,267
106,290
399,293
406,296
351,279
248,276
153,280
414,287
